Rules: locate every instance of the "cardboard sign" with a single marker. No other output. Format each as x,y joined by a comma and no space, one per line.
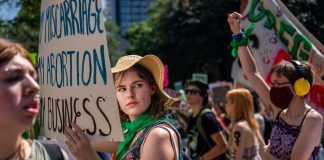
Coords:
74,71
200,76
277,36
219,90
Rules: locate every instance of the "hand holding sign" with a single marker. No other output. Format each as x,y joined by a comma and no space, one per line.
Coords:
74,71
79,144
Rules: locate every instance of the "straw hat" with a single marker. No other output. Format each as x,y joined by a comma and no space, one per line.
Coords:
153,64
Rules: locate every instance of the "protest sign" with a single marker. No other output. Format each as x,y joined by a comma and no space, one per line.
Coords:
166,76
200,76
219,90
178,85
279,36
74,71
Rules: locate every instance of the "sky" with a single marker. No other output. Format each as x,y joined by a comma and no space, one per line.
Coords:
8,12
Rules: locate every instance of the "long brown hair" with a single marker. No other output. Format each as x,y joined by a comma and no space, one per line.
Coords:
8,50
243,107
156,108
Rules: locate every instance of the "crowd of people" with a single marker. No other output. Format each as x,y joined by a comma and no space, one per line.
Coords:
238,129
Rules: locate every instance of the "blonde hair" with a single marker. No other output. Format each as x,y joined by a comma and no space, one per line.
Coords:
243,107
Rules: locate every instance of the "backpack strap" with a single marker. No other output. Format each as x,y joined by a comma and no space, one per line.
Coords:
53,151
168,127
173,142
200,127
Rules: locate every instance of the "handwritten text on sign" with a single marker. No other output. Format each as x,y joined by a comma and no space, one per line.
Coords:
74,71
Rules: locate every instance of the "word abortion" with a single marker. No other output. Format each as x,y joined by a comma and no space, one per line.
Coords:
68,67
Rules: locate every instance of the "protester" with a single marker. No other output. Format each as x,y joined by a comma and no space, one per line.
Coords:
263,116
220,110
19,104
216,110
297,127
257,113
206,139
268,121
143,107
246,140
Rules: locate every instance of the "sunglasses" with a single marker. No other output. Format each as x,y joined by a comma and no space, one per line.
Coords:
191,91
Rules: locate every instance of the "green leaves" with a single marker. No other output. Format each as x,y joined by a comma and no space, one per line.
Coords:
189,36
25,27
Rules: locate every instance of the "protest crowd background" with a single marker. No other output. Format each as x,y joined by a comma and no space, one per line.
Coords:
213,65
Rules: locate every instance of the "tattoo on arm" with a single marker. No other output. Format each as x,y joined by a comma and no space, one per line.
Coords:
237,136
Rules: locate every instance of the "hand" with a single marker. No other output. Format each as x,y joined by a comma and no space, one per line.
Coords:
79,143
234,20
266,153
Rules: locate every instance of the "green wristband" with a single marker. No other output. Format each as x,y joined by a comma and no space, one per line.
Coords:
243,42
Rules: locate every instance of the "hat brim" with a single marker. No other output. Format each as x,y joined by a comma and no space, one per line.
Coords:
153,64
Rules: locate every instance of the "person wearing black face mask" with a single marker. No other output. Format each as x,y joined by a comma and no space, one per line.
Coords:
297,128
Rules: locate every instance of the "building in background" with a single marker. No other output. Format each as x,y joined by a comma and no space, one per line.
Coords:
126,12
110,10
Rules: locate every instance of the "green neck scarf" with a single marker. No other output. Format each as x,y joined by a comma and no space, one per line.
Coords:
131,128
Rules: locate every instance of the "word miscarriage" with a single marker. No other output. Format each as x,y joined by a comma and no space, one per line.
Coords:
69,18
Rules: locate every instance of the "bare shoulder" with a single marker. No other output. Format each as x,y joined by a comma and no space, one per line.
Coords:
161,134
314,117
241,126
158,144
311,131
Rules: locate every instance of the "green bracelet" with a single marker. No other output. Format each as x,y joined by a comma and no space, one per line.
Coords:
243,42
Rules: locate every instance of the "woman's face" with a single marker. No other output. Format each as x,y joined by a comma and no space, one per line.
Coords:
133,94
193,96
19,92
229,107
277,79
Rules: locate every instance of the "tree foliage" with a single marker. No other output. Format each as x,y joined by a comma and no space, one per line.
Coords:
310,14
113,42
193,35
25,27
188,35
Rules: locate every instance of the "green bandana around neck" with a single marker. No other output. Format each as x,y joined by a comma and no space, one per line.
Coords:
131,128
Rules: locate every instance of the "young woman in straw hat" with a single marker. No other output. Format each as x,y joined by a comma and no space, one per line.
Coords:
297,128
148,133
246,141
19,104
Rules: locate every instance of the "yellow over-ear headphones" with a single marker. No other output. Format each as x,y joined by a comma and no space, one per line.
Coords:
301,85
